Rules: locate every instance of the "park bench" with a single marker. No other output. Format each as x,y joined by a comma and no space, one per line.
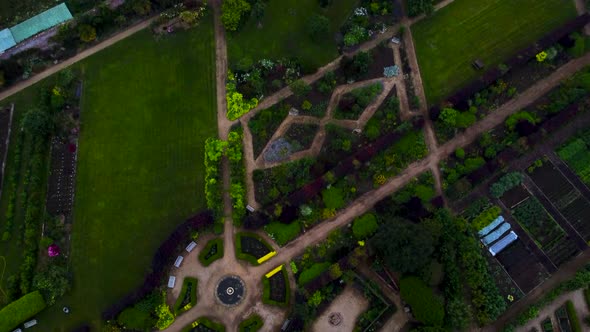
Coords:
178,261
171,282
191,246
30,323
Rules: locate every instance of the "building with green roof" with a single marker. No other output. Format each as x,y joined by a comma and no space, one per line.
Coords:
6,40
41,22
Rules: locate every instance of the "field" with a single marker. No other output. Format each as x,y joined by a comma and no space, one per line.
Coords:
139,162
489,30
564,196
285,36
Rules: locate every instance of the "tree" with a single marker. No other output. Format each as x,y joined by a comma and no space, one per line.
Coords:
449,116
232,12
364,226
87,33
11,70
404,246
37,122
142,7
258,10
317,26
52,283
417,7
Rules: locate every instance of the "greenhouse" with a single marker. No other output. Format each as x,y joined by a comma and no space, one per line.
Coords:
484,231
503,243
493,236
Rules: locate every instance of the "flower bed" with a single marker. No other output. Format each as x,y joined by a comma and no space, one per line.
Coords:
187,297
352,104
301,135
213,251
276,289
204,324
251,324
251,247
264,124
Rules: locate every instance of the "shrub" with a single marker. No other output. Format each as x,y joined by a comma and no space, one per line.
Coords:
460,153
333,198
506,183
20,310
236,105
165,316
573,316
364,226
313,272
426,307
213,251
486,217
283,233
300,88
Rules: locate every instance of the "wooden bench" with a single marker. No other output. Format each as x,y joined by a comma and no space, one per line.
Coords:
171,282
178,261
191,246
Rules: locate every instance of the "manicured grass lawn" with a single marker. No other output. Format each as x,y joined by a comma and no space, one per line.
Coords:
283,33
148,107
491,30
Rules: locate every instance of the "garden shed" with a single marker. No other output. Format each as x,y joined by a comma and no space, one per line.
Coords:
6,40
41,22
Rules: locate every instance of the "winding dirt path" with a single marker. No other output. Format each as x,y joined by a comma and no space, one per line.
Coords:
80,56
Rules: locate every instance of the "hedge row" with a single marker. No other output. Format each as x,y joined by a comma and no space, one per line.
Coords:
206,261
161,262
20,310
573,317
178,307
207,323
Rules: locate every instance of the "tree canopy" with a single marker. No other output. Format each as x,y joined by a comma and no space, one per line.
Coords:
404,246
232,13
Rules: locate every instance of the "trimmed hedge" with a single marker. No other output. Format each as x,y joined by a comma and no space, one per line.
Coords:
251,324
313,272
247,257
178,307
573,316
20,310
206,261
587,297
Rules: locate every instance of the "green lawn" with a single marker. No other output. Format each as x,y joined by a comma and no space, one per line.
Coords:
491,30
148,107
283,33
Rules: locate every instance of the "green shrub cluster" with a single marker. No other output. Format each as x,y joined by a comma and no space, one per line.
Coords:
506,183
187,296
283,233
251,324
573,317
426,307
486,217
213,251
205,324
20,310
236,105
12,185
